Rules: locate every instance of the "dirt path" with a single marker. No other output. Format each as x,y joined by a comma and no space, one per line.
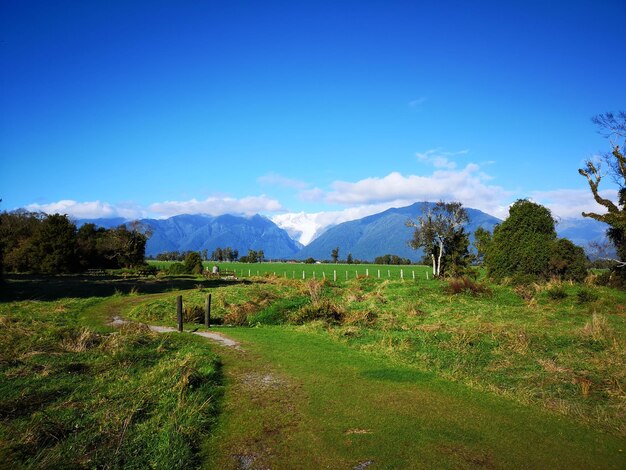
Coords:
214,336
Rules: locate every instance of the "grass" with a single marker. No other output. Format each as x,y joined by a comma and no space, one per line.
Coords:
74,396
316,271
406,374
296,398
563,354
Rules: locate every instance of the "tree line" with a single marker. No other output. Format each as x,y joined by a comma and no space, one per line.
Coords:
51,244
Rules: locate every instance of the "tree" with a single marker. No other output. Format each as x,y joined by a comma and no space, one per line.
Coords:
439,224
126,247
334,254
568,261
193,263
525,244
349,259
482,241
54,245
614,128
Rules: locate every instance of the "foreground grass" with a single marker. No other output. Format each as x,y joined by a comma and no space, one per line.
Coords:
562,347
82,396
298,399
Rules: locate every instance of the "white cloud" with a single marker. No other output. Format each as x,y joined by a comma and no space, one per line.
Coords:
274,179
312,195
217,206
89,210
467,186
211,205
570,203
440,159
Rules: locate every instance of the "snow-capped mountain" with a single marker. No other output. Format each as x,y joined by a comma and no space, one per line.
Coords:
302,227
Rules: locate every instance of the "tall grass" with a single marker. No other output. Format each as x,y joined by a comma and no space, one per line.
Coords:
74,397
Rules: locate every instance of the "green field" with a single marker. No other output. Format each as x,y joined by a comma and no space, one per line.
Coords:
381,373
317,271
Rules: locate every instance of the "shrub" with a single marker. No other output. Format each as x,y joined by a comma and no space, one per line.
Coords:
176,269
193,263
324,310
237,315
584,296
522,244
568,261
556,293
193,314
465,285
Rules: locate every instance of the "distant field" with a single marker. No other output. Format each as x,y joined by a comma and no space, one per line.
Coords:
317,271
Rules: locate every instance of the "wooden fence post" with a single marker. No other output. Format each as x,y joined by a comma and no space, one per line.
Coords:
179,312
207,312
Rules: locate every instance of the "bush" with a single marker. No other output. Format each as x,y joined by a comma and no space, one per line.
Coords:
324,310
465,285
522,244
176,269
568,261
193,263
556,293
584,296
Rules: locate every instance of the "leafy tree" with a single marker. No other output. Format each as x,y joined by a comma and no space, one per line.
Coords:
54,245
334,254
522,244
438,229
482,241
16,231
568,261
309,261
614,128
525,244
456,256
391,259
126,247
260,256
349,259
217,255
193,263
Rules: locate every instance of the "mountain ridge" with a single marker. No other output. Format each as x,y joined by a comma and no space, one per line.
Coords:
364,238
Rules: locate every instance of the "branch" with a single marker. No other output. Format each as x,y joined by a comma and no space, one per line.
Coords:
594,182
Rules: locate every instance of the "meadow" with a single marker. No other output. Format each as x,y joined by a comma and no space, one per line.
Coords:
330,271
389,372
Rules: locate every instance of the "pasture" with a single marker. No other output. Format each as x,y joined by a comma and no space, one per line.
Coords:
330,271
364,372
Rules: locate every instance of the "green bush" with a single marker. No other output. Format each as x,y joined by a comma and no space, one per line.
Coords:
522,244
176,269
556,293
584,296
568,261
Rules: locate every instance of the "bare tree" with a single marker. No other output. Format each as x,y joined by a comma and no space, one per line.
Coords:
612,127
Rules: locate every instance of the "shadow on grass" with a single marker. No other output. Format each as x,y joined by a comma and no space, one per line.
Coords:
37,287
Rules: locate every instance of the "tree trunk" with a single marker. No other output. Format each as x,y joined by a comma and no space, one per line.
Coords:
440,255
434,265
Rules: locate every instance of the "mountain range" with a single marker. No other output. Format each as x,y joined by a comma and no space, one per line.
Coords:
365,238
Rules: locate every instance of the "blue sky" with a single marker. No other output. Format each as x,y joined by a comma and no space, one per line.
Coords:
157,108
